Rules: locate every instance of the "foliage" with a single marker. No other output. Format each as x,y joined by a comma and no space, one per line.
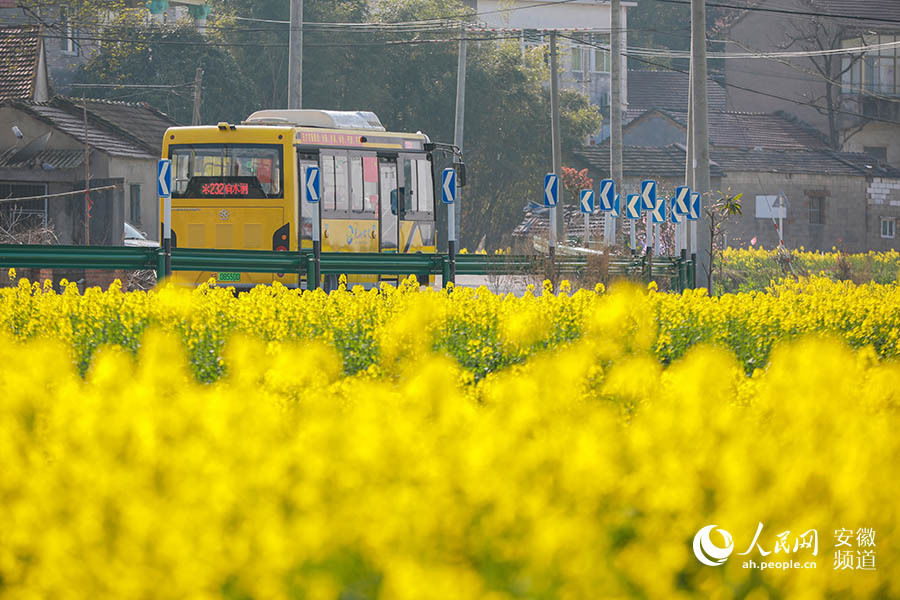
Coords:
574,181
582,472
718,213
755,269
142,53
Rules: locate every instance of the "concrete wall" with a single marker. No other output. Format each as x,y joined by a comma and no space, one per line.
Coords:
853,207
143,173
654,130
877,134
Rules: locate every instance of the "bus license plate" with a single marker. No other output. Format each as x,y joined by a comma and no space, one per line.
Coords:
231,277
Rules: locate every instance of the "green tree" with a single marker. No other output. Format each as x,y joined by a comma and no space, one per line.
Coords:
134,52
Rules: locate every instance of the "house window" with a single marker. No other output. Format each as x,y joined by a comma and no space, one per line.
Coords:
875,71
135,204
70,34
879,152
19,218
577,58
888,227
816,209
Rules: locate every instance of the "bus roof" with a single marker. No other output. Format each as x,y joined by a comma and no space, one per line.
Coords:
325,119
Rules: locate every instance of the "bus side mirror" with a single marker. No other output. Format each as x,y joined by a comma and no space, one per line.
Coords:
460,174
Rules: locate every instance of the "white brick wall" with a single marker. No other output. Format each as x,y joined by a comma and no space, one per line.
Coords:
884,191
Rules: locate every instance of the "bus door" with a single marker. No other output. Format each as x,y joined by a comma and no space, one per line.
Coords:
307,210
417,230
389,205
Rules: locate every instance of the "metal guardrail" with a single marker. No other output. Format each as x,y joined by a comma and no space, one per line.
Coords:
679,271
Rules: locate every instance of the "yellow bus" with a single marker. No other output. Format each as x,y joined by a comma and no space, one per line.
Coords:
240,187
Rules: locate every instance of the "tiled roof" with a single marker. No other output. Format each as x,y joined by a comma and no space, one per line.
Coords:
537,222
877,10
67,119
668,90
637,161
54,159
137,119
669,162
779,130
825,162
18,60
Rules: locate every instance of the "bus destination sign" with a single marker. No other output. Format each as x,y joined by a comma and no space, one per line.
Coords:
224,189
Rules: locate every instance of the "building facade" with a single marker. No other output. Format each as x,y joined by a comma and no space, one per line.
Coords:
584,60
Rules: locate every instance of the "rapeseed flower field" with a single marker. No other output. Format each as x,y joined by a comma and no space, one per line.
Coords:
400,443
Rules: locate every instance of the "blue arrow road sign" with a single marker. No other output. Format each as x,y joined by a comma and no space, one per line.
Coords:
648,195
551,189
659,211
682,197
164,178
694,212
607,194
616,207
633,206
448,186
311,183
587,201
674,215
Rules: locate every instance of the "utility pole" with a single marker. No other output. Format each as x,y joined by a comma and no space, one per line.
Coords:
295,59
87,177
198,83
701,135
687,237
615,113
556,223
458,131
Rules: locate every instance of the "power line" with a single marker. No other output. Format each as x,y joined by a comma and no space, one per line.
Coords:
786,12
755,91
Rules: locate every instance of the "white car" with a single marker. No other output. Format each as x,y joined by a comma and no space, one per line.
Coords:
136,239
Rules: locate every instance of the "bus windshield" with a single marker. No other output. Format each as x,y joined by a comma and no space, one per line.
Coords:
227,171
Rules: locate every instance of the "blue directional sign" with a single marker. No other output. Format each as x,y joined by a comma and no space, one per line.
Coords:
616,207
682,198
648,194
607,194
587,201
551,189
659,211
694,212
164,178
633,206
674,215
448,186
311,183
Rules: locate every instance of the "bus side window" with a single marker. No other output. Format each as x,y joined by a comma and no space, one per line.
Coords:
409,186
370,183
426,187
341,183
327,182
356,184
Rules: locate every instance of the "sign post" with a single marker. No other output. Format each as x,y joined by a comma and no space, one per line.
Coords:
694,216
551,198
607,198
312,191
648,203
587,208
633,212
448,197
164,191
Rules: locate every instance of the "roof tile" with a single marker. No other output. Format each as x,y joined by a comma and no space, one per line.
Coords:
19,47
